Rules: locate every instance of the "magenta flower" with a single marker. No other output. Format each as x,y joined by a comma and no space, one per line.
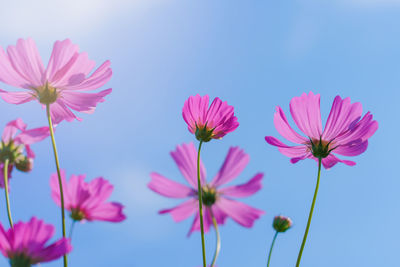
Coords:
15,146
26,243
215,199
208,123
87,201
61,85
345,133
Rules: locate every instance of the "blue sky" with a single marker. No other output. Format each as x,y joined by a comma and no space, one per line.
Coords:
255,55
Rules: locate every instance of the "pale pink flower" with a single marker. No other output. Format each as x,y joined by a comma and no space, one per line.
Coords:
26,243
215,198
87,201
346,131
62,84
206,122
15,146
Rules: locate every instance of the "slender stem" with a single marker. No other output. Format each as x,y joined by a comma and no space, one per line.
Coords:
5,168
199,190
59,176
272,246
218,245
71,230
310,215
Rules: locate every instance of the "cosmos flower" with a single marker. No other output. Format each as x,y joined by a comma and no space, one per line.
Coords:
15,146
87,201
26,243
208,123
62,85
217,200
346,132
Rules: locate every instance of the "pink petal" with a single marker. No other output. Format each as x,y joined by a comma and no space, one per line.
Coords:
289,151
4,241
111,212
54,251
235,161
306,114
283,127
60,112
12,128
99,78
244,190
352,149
358,131
185,156
194,111
55,189
331,161
239,212
220,117
32,136
8,74
26,61
17,97
77,191
168,188
196,223
183,211
84,102
342,115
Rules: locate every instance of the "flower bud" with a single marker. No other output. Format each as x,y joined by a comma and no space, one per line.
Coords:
282,223
24,165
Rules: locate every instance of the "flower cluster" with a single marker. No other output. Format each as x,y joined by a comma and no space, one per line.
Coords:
60,87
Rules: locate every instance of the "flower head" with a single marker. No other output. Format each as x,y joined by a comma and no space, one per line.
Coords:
15,146
87,201
26,243
60,85
282,223
208,123
217,200
346,131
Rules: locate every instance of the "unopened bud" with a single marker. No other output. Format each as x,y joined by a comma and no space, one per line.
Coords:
282,223
24,165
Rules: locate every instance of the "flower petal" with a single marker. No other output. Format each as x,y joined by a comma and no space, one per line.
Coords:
54,251
196,222
182,211
12,128
244,190
60,112
306,114
17,97
168,188
343,114
194,111
31,136
235,161
110,212
352,149
185,156
84,102
243,214
283,127
26,61
289,151
331,161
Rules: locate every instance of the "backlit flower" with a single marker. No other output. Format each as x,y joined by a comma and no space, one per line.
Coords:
26,243
208,123
62,84
15,146
216,199
346,132
87,201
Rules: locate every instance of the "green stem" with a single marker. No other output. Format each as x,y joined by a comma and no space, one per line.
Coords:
199,190
310,215
218,245
6,191
71,230
272,246
59,176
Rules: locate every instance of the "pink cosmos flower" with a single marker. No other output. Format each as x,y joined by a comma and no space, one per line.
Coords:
26,243
15,146
87,201
61,84
345,133
208,123
215,199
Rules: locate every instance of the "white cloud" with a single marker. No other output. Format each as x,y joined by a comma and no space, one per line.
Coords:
43,18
